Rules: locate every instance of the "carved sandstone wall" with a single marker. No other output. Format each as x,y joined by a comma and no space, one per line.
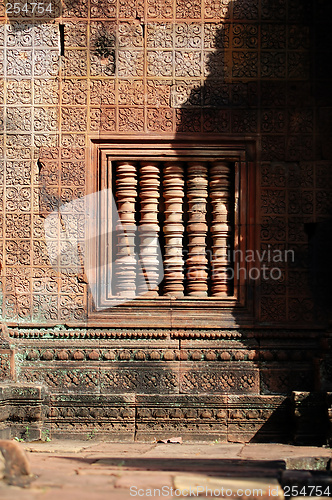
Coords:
235,68
239,70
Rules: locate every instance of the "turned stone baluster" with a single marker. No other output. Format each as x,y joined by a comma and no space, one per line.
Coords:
197,230
220,229
149,228
126,194
173,229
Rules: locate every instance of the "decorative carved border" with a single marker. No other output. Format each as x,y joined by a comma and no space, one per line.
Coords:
214,354
98,334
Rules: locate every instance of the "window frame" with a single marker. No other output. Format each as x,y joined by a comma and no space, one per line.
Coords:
167,312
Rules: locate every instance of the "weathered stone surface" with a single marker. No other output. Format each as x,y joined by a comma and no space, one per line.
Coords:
16,465
319,463
137,481
249,488
289,454
100,470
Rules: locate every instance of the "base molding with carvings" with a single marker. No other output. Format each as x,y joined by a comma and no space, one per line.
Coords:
140,384
30,412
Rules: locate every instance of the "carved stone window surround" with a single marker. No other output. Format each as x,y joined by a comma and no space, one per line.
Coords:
185,311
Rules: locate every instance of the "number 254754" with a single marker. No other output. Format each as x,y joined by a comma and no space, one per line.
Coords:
29,8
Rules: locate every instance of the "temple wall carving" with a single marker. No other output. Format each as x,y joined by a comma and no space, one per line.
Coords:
165,81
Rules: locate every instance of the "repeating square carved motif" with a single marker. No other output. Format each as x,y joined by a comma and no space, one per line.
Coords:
75,8
186,93
212,67
216,120
18,173
74,119
75,63
160,36
245,64
130,92
273,37
74,92
102,92
216,9
131,119
160,119
273,121
19,62
72,141
188,120
216,35
130,35
18,119
98,120
216,65
46,36
159,63
158,92
188,64
273,65
131,9
103,9
46,92
102,67
46,120
188,9
130,63
245,9
188,36
273,202
245,36
46,63
274,9
159,9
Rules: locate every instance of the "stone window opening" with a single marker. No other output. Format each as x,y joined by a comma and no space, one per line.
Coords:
189,207
193,199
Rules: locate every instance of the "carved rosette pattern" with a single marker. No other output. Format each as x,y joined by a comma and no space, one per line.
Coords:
179,62
173,229
220,227
126,194
197,275
149,226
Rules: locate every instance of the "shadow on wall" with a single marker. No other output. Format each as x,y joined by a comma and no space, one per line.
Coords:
272,78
